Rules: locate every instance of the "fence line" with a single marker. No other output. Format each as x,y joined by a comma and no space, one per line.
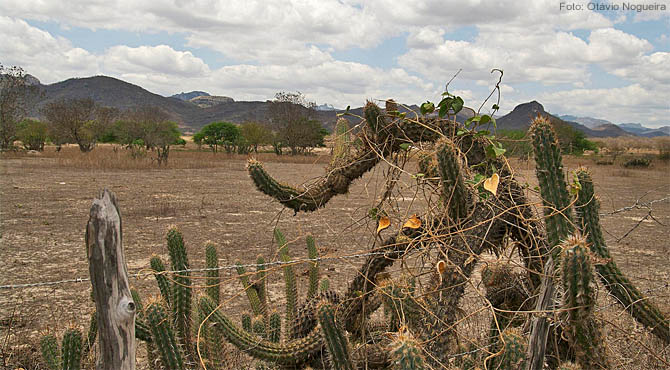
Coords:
143,272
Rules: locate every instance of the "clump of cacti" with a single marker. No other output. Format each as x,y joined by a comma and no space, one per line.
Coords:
479,208
69,356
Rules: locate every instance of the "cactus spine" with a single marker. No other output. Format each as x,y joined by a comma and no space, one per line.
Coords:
71,350
289,279
579,301
274,334
163,336
615,281
406,353
454,193
338,346
312,254
553,188
212,264
50,352
162,280
181,289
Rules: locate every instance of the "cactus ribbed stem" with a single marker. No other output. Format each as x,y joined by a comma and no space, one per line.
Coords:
163,336
181,287
274,334
50,352
579,302
92,333
312,253
406,353
213,281
338,346
246,322
587,209
294,352
162,280
71,350
454,193
261,285
553,188
289,279
258,327
252,294
342,142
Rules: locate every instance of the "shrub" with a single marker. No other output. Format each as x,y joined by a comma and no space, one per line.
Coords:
33,134
637,162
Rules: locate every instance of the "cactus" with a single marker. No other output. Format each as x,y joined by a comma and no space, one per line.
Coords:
70,354
579,302
50,352
294,352
258,326
252,293
274,332
454,194
91,335
260,285
181,288
142,330
313,254
406,353
71,349
342,143
338,346
246,322
587,209
163,284
163,336
289,278
212,264
553,188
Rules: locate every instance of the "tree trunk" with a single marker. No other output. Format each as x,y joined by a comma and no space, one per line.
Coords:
537,344
115,308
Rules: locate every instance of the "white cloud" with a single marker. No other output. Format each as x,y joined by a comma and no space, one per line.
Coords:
153,59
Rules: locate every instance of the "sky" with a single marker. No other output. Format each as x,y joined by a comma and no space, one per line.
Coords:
608,63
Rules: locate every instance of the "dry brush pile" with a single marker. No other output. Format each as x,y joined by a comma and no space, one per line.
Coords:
541,317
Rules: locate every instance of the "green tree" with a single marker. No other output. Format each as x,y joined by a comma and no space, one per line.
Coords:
148,126
256,134
17,93
33,134
218,134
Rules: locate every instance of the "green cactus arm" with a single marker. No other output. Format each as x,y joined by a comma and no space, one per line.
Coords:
290,284
294,352
313,254
258,327
616,283
338,346
261,286
181,287
212,264
91,334
305,320
252,294
163,337
246,322
406,353
163,284
324,284
50,352
553,188
581,330
342,145
454,194
71,350
274,334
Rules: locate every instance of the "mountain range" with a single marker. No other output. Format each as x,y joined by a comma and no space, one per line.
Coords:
192,110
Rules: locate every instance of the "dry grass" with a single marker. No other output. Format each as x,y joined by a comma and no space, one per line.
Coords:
115,157
633,144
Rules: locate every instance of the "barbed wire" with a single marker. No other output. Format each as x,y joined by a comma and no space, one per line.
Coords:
146,272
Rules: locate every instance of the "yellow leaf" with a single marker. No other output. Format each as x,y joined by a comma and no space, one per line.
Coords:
413,223
384,222
491,184
441,267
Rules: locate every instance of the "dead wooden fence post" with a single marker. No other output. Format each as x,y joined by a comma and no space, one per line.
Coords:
537,344
113,302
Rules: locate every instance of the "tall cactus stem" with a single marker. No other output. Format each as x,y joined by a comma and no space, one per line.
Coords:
252,294
454,193
213,280
616,283
338,346
181,287
163,337
163,284
312,254
50,352
71,349
289,279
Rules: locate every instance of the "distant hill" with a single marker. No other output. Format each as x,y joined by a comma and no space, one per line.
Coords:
639,129
206,101
522,115
586,121
186,96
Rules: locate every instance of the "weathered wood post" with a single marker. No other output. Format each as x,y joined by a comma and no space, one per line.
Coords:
537,344
115,309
